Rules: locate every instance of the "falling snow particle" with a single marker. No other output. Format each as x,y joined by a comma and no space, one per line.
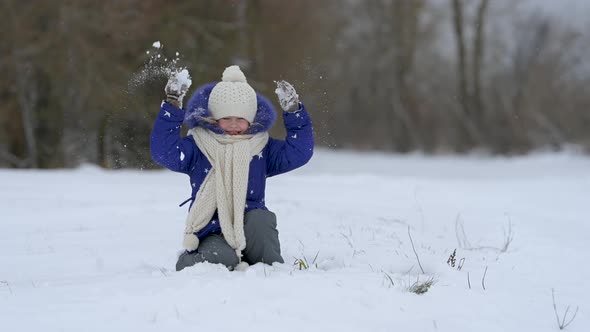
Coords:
157,66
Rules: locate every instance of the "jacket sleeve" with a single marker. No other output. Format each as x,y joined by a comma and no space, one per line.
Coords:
297,148
168,149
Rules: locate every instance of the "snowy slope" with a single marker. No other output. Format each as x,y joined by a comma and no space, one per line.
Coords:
94,250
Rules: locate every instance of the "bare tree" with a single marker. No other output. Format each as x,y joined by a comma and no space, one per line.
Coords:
469,91
405,33
26,81
478,56
374,74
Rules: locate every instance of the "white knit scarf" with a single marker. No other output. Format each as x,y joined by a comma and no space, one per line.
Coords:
225,186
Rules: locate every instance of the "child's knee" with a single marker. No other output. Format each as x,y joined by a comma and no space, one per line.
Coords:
185,260
262,238
259,220
213,249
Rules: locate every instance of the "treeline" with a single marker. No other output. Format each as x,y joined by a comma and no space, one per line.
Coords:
392,75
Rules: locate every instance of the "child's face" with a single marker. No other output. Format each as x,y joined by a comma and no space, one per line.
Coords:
233,125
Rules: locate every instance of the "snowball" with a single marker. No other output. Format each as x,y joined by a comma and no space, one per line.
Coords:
281,93
184,78
181,78
157,44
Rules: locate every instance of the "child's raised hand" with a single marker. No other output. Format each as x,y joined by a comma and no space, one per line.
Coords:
177,86
288,97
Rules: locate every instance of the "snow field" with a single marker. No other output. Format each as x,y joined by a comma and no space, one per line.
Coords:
89,249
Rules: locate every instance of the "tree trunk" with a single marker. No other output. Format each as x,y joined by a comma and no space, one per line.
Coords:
470,135
28,97
478,54
458,24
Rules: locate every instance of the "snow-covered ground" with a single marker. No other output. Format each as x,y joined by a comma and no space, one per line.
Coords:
94,250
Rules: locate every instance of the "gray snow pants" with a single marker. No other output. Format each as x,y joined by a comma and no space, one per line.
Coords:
262,244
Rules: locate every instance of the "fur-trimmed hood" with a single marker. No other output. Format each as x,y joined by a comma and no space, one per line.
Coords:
197,110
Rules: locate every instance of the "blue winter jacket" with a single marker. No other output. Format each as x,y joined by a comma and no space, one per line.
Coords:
183,155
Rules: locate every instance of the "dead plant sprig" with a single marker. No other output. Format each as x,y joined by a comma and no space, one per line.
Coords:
414,248
562,324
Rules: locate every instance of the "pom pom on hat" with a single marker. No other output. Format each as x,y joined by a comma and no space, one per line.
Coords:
233,96
233,74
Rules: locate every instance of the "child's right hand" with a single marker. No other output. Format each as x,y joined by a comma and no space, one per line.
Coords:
176,88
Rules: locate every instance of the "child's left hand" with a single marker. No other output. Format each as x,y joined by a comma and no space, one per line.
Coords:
288,97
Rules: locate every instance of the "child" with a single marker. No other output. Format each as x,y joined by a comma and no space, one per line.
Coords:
228,155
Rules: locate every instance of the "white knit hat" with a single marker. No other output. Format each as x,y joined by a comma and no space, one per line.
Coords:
233,96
